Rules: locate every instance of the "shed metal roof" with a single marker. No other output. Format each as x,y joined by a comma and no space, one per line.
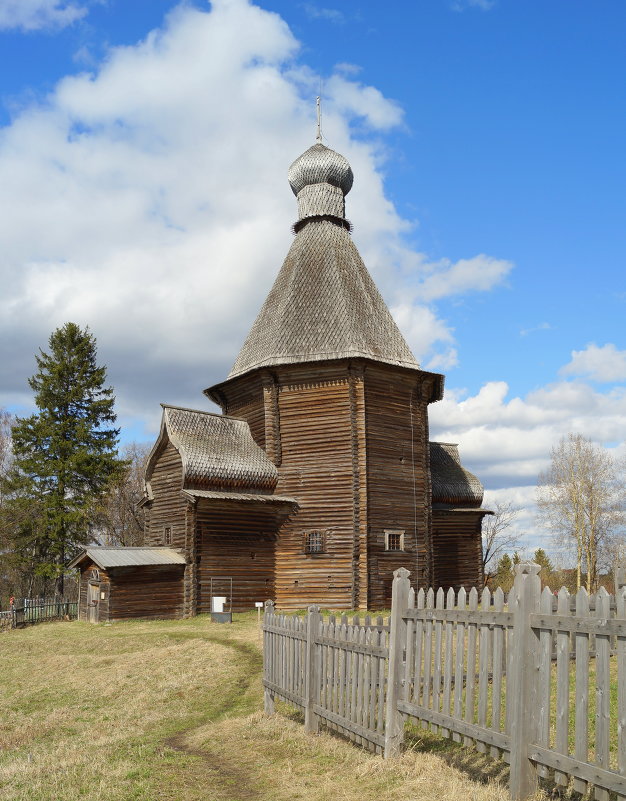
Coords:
121,556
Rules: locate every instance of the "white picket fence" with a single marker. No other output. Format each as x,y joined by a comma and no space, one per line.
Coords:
334,670
542,688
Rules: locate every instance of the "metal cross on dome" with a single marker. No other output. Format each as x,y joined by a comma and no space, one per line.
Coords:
318,138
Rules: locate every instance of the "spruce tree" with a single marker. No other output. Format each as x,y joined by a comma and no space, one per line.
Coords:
65,454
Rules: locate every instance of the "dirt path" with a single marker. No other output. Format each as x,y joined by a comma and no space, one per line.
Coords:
216,776
223,776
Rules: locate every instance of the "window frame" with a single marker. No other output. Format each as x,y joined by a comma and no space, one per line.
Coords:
314,542
394,532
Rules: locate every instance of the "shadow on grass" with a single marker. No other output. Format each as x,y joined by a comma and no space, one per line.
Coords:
481,768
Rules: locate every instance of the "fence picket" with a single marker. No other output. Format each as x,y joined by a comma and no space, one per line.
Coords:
428,655
447,671
498,654
620,647
483,668
510,601
439,604
562,686
458,670
603,690
581,747
408,677
470,676
544,679
380,715
418,647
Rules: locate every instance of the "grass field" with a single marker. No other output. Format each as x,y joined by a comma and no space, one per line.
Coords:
171,711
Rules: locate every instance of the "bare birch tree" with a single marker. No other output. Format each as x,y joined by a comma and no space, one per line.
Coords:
580,500
120,518
498,537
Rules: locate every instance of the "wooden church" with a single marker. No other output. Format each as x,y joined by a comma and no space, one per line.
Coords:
318,479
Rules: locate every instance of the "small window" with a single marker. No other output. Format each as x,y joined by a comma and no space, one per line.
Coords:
314,542
167,535
394,540
95,574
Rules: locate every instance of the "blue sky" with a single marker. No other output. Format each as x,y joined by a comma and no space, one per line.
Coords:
143,174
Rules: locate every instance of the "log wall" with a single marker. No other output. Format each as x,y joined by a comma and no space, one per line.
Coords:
168,506
316,468
398,476
237,541
457,548
151,592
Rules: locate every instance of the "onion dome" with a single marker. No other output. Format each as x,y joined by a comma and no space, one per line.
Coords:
320,178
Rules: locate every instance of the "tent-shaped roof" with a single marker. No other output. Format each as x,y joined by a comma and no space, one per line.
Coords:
323,305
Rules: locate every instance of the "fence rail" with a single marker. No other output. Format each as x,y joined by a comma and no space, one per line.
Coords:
28,612
536,681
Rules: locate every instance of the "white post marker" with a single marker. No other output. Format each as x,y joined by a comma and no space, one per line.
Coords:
259,605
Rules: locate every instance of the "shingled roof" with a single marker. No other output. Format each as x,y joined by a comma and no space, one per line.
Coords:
217,451
324,304
452,484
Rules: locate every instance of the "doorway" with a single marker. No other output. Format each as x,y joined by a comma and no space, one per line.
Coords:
93,596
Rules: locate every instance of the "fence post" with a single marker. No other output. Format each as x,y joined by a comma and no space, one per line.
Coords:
394,724
268,656
522,681
312,673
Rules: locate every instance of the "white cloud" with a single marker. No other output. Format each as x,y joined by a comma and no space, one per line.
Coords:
149,200
478,274
34,15
604,364
533,329
506,441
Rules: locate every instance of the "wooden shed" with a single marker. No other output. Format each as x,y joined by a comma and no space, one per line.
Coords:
121,583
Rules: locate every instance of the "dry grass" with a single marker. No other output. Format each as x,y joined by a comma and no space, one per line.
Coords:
168,711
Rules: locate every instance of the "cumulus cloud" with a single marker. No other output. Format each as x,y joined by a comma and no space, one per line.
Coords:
603,364
446,278
506,441
148,200
34,15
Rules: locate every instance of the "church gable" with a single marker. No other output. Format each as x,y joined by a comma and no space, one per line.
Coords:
216,452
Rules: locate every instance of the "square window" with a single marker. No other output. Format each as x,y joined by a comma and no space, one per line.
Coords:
394,540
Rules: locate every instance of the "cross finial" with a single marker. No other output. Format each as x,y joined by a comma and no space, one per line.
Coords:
318,138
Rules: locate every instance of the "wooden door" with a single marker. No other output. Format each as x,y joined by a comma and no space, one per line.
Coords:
93,597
